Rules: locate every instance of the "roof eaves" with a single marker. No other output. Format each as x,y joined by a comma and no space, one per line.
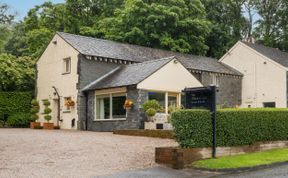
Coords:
87,87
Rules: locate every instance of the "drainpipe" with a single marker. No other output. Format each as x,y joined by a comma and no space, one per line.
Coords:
58,113
86,110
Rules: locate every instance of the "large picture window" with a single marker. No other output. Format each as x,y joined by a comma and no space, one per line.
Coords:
110,106
158,96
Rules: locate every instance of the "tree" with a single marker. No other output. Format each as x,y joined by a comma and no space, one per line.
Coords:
228,25
5,17
16,73
175,25
268,27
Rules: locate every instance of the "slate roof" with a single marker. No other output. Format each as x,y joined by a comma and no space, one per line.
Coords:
115,50
272,53
126,75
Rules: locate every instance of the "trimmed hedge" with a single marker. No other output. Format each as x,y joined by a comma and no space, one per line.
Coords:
146,133
235,127
14,102
19,120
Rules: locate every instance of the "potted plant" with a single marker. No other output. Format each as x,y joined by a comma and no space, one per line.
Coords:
34,114
47,115
151,107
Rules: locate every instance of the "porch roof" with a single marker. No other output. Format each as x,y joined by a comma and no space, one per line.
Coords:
128,74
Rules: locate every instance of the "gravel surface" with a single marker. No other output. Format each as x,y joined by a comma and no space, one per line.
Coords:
58,153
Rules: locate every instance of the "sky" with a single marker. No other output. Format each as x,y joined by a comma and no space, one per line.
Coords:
21,7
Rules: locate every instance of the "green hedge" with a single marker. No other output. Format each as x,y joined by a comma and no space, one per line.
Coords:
14,102
19,120
193,128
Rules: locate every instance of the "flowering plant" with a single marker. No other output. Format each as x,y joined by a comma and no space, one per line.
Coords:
128,104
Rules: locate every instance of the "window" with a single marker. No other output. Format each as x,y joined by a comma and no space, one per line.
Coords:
269,105
66,65
110,106
215,80
160,97
172,100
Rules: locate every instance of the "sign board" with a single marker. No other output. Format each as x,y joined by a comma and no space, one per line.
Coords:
203,98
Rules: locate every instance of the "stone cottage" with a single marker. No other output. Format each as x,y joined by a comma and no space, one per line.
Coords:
97,76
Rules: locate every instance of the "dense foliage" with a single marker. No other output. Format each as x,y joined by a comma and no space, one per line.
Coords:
193,128
13,103
19,120
201,27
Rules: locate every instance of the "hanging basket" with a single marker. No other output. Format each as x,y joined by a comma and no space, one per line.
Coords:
69,103
128,104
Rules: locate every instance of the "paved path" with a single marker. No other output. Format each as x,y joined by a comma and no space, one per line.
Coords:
275,172
58,153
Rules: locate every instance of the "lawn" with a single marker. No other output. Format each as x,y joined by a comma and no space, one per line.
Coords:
245,160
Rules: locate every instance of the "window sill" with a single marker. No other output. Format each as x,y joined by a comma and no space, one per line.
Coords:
100,120
65,73
67,111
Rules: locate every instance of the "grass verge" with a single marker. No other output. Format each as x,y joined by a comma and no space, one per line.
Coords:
245,160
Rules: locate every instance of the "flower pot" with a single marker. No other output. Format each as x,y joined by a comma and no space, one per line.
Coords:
48,126
34,124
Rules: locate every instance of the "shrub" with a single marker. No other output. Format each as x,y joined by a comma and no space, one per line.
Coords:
193,128
150,112
14,102
34,102
19,120
47,118
46,103
151,104
47,110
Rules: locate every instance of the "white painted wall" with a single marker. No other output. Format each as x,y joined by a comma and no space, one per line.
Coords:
261,82
50,69
173,77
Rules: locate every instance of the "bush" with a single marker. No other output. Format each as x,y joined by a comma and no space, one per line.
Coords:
193,128
19,120
47,118
46,103
14,102
47,110
151,104
150,112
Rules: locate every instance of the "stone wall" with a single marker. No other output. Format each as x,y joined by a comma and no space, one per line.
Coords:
229,89
88,71
177,158
134,120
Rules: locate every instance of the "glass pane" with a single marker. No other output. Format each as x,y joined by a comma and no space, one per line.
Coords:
67,65
118,110
160,97
172,101
103,107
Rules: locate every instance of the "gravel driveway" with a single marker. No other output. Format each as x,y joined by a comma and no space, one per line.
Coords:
58,153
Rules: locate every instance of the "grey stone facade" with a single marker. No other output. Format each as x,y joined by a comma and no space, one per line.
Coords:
135,117
88,71
229,88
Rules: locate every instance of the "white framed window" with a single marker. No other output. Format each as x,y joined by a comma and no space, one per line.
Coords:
110,106
215,80
66,65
